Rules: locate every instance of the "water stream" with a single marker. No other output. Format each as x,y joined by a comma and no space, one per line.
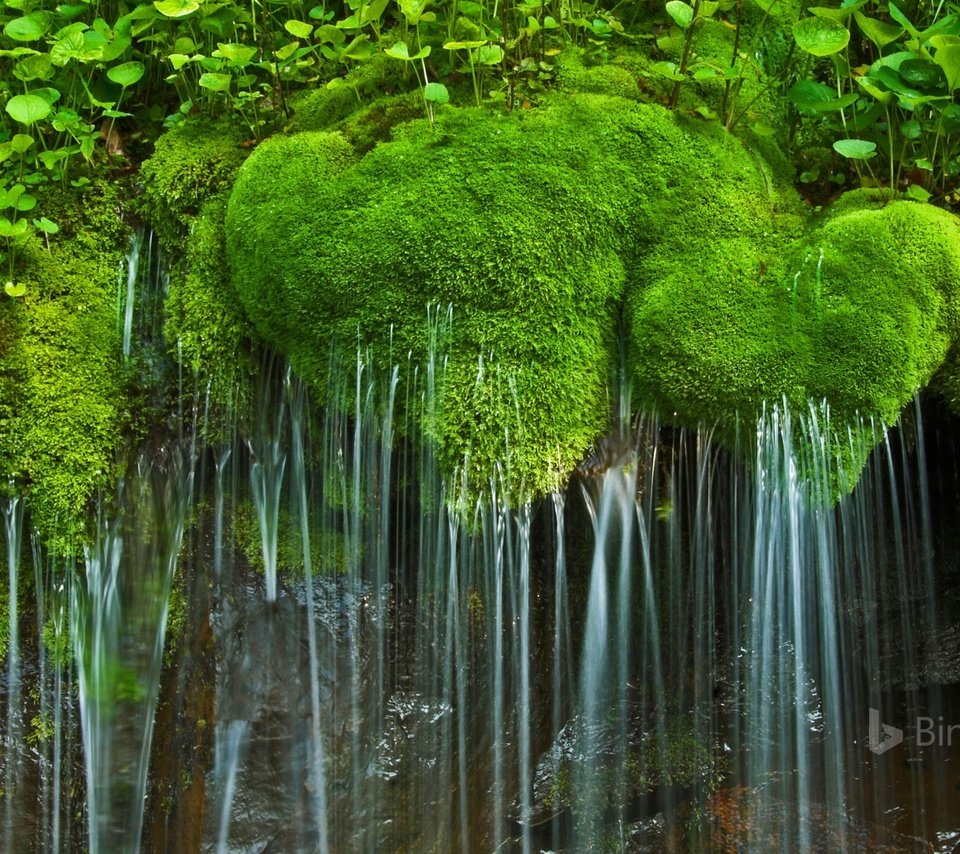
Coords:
679,651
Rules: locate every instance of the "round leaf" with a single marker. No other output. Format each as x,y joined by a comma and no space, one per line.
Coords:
29,28
820,36
298,29
47,226
855,149
176,8
436,92
27,109
126,74
15,290
215,82
878,32
682,13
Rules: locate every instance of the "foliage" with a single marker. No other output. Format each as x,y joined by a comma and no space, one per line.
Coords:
890,93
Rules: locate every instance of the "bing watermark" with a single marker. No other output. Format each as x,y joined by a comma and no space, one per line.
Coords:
929,733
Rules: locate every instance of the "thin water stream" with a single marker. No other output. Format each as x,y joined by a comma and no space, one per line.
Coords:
678,652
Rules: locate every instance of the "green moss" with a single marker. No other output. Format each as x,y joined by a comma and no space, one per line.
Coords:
63,396
204,324
490,213
541,225
860,312
328,552
190,164
322,109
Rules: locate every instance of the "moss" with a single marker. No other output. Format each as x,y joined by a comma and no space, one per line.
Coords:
190,164
204,322
860,312
63,397
487,212
322,109
540,225
328,551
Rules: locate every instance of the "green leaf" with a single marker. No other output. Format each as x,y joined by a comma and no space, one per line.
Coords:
871,86
682,13
917,193
902,19
12,229
29,28
26,202
21,142
413,10
948,58
27,109
841,14
31,68
14,291
436,93
878,32
73,45
921,73
238,54
47,226
176,8
464,45
855,149
820,36
126,74
215,82
668,70
401,51
490,54
48,93
813,97
298,29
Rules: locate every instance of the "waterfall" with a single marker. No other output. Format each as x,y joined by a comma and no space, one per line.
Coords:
118,628
682,648
128,298
13,528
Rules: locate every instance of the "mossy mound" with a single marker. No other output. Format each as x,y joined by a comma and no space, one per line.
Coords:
63,391
859,312
191,163
541,226
531,225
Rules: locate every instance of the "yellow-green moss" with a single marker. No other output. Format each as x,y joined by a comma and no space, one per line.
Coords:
63,397
190,164
204,324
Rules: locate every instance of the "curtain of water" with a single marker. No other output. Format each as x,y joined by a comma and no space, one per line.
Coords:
427,665
118,627
13,735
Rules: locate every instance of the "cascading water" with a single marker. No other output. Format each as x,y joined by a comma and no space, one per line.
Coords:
118,627
680,650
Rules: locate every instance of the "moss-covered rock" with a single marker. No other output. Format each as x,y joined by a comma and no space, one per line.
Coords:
540,226
859,312
63,393
515,220
191,163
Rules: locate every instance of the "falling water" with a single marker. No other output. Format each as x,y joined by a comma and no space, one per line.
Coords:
13,527
118,627
679,649
132,260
